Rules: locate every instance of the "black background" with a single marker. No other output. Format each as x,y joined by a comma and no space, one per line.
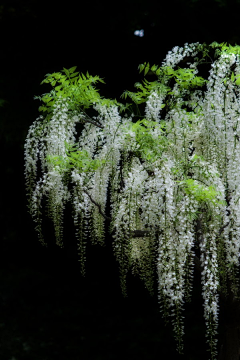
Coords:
48,311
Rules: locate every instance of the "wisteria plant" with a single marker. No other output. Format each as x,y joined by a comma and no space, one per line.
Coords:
172,174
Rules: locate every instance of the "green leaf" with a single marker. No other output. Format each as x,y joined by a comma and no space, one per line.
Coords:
57,88
124,94
66,71
72,69
60,93
42,108
57,75
238,79
215,44
232,76
101,80
66,82
139,86
46,98
62,79
168,70
74,74
146,69
141,67
154,68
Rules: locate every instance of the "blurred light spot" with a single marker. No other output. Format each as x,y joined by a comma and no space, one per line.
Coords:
139,33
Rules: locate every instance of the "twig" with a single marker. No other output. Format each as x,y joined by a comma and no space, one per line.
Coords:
93,122
140,233
134,234
98,205
89,120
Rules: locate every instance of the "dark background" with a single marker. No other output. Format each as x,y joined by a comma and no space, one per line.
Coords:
47,310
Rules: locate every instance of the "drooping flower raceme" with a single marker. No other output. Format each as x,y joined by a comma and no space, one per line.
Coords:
172,178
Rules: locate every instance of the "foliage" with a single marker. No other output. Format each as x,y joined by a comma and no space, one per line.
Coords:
80,160
172,176
72,86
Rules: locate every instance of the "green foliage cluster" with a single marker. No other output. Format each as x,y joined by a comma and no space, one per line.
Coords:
184,77
75,159
148,147
201,192
77,88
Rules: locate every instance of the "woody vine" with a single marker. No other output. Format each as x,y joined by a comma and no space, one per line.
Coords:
172,174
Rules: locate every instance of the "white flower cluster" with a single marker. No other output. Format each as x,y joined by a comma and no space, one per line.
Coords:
210,283
221,129
47,138
153,106
179,53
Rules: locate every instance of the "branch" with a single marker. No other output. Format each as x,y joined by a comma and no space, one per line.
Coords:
140,233
135,233
89,120
94,123
98,205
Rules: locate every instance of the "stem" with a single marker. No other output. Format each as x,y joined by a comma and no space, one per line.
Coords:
98,205
134,233
89,120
